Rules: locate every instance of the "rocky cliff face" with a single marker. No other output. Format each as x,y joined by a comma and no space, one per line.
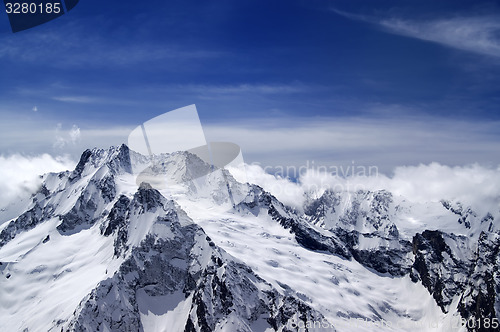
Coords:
440,265
479,302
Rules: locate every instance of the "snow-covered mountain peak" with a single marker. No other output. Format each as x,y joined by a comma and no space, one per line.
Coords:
177,168
117,160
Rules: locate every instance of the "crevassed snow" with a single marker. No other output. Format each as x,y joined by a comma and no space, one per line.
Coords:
341,289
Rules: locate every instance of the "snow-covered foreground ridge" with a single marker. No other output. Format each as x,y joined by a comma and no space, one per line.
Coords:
95,252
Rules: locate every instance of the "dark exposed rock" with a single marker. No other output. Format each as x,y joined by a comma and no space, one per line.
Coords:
85,211
117,215
386,260
28,220
479,302
464,214
439,267
379,208
121,163
317,209
84,158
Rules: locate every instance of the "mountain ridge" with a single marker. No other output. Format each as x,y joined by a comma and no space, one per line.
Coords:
362,232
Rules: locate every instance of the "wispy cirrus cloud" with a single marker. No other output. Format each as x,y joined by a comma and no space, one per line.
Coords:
77,99
477,34
474,34
251,88
96,96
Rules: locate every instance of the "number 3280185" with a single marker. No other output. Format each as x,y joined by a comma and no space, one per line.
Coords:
33,8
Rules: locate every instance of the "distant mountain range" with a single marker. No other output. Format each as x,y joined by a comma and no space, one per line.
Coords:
96,251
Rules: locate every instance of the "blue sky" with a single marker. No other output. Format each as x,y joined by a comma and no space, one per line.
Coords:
377,82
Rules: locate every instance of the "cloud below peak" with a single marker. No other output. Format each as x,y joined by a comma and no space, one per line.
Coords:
21,177
472,185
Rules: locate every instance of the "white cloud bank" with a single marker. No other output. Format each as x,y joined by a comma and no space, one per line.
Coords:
20,177
472,185
384,142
